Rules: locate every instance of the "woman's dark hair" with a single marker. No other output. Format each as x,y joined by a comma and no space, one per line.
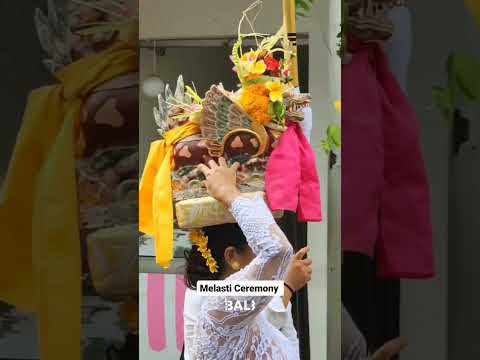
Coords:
220,237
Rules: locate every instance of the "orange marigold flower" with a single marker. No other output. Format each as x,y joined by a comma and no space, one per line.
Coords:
255,101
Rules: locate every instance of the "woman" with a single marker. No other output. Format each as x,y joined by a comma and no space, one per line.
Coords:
237,334
278,311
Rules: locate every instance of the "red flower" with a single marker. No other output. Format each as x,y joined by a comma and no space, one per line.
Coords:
272,63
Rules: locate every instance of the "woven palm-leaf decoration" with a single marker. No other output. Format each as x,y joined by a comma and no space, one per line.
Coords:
68,30
221,117
370,22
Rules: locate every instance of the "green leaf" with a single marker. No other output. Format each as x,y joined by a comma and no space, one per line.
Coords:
465,70
333,140
451,78
442,98
326,146
463,84
271,112
334,134
303,7
279,110
258,80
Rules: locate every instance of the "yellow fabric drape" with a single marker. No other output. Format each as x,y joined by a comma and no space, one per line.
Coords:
41,256
474,7
155,194
129,313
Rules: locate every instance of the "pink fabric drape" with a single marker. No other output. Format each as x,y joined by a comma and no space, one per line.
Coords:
291,179
385,190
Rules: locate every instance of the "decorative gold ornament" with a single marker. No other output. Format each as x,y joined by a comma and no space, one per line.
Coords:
199,238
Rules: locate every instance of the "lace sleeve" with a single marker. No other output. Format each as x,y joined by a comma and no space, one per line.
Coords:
191,306
273,254
354,346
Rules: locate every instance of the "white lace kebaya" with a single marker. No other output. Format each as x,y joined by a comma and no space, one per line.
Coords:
248,335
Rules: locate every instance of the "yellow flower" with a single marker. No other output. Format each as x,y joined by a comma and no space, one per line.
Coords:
276,90
338,106
251,56
213,268
248,64
259,67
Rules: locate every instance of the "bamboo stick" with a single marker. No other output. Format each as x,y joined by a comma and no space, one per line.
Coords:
289,19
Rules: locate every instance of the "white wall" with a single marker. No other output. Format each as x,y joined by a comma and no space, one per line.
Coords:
160,19
464,249
199,19
424,306
439,317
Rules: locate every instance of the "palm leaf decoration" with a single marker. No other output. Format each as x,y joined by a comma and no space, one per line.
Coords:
220,116
54,27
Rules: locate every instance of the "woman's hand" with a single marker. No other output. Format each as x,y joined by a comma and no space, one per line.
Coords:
221,180
390,349
300,270
299,273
